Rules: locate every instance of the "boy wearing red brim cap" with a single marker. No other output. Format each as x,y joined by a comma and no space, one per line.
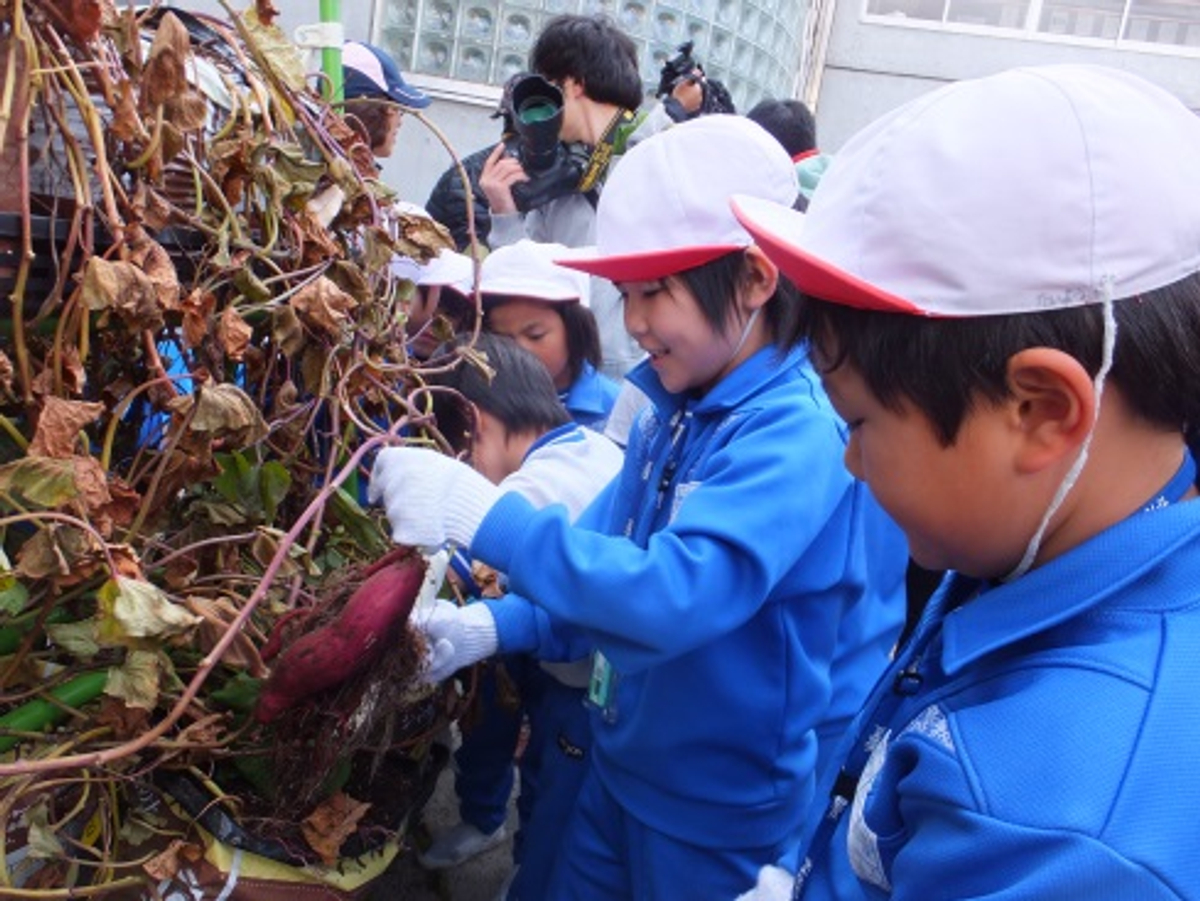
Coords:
1017,359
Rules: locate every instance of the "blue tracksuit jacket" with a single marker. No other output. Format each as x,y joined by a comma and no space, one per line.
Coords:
713,574
590,398
1034,739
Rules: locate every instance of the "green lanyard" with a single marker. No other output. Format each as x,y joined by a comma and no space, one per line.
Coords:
612,143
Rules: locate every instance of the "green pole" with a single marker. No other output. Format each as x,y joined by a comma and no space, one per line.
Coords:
331,57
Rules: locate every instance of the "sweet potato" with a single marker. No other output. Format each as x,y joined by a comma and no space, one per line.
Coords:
349,643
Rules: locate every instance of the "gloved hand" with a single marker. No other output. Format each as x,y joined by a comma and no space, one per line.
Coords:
430,498
774,884
457,637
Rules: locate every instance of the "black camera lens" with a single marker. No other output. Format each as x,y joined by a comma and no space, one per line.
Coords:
537,109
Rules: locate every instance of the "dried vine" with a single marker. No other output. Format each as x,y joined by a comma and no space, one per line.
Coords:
199,356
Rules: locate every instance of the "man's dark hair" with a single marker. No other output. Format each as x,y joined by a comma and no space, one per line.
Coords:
593,51
944,367
790,122
583,334
520,393
715,286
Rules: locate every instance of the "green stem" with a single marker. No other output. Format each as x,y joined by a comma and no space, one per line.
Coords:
40,713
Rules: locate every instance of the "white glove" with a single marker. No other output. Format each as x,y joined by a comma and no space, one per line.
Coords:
774,884
430,498
457,637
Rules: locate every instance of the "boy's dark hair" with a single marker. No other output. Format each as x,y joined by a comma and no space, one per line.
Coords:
715,286
593,51
371,114
583,334
789,121
520,394
943,367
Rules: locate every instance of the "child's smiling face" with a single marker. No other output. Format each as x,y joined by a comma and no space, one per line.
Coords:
687,353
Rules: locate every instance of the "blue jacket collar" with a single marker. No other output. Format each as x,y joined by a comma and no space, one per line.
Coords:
566,432
1074,583
749,378
588,394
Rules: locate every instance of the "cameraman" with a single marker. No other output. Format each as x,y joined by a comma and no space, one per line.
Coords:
447,201
686,91
595,66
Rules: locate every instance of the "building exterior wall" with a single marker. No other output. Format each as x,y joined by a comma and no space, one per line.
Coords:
461,51
871,67
855,69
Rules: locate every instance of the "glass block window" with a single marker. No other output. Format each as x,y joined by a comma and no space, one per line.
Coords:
1170,22
752,46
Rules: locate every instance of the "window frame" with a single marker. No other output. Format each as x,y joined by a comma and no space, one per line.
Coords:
1029,30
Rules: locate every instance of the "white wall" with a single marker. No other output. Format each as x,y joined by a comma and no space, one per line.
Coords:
873,68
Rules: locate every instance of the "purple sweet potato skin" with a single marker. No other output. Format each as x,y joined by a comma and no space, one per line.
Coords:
350,642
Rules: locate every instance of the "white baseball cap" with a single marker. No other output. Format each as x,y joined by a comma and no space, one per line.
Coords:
528,269
1034,189
665,207
448,269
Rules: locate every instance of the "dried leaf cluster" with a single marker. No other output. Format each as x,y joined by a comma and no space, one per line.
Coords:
203,342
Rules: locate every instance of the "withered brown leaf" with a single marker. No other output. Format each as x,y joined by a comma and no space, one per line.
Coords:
165,75
59,424
123,287
333,821
197,308
323,305
234,333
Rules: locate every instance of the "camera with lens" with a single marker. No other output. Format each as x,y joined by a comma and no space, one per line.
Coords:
679,67
536,116
683,66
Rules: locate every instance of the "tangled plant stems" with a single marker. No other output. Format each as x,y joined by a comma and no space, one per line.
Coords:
201,352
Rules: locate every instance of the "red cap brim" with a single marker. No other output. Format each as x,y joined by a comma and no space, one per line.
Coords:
650,266
775,229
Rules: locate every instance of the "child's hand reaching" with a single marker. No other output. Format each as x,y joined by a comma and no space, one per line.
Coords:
430,498
457,637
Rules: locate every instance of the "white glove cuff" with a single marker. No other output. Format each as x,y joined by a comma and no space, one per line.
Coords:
468,509
479,639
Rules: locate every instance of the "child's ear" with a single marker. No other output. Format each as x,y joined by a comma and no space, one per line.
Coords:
762,278
1054,406
475,427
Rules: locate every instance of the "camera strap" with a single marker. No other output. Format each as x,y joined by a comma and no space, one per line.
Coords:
612,143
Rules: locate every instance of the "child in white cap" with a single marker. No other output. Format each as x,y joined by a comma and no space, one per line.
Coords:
544,308
521,437
1018,358
739,588
443,303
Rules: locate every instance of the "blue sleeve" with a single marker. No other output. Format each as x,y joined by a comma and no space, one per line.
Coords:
736,534
526,628
599,512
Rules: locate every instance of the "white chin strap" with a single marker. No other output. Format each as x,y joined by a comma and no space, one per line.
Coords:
741,342
1072,476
